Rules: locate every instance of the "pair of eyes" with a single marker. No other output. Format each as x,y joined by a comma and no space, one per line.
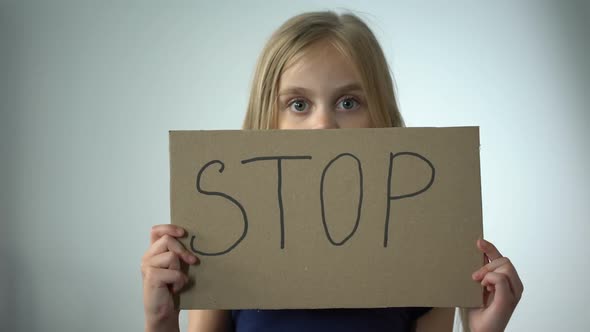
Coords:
299,105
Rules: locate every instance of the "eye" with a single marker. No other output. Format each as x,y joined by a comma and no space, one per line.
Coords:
298,105
348,103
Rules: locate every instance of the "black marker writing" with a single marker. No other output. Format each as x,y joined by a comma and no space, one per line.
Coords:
360,200
279,160
390,198
226,196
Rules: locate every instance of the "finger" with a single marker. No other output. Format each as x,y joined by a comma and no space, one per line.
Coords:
504,271
168,243
510,271
502,265
167,260
518,282
159,278
488,296
490,267
160,230
503,297
488,249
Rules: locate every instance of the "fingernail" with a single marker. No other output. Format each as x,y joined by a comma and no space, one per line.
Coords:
179,231
192,259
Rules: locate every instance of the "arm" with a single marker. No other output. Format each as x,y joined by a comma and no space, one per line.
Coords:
209,321
162,277
502,291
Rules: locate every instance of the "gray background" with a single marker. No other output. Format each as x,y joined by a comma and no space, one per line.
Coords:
89,91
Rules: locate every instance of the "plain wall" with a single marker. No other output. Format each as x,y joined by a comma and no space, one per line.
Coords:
89,91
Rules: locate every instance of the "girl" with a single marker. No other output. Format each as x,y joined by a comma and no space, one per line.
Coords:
318,71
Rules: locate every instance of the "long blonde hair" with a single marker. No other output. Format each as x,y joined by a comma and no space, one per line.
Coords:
352,37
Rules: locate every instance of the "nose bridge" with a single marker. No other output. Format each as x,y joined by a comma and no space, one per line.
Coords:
324,118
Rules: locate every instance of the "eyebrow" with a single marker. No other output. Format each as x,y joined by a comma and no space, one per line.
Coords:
301,90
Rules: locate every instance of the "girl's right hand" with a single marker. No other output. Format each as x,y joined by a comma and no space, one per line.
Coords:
162,277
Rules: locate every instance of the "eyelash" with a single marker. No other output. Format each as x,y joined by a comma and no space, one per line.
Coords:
294,100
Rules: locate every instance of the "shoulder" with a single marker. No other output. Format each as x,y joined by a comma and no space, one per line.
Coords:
209,321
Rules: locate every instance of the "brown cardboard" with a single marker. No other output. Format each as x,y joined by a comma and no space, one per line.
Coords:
434,219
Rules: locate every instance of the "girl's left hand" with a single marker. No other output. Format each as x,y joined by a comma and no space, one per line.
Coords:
502,291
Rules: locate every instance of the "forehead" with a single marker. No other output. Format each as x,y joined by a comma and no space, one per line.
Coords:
320,63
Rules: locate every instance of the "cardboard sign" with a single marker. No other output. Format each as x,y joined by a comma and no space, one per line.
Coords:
345,218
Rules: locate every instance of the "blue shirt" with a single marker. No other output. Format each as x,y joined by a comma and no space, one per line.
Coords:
342,320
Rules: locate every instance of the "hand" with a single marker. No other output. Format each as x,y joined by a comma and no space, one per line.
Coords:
160,269
502,291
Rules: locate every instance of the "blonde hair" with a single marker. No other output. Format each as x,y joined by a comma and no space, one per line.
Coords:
353,38
348,34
